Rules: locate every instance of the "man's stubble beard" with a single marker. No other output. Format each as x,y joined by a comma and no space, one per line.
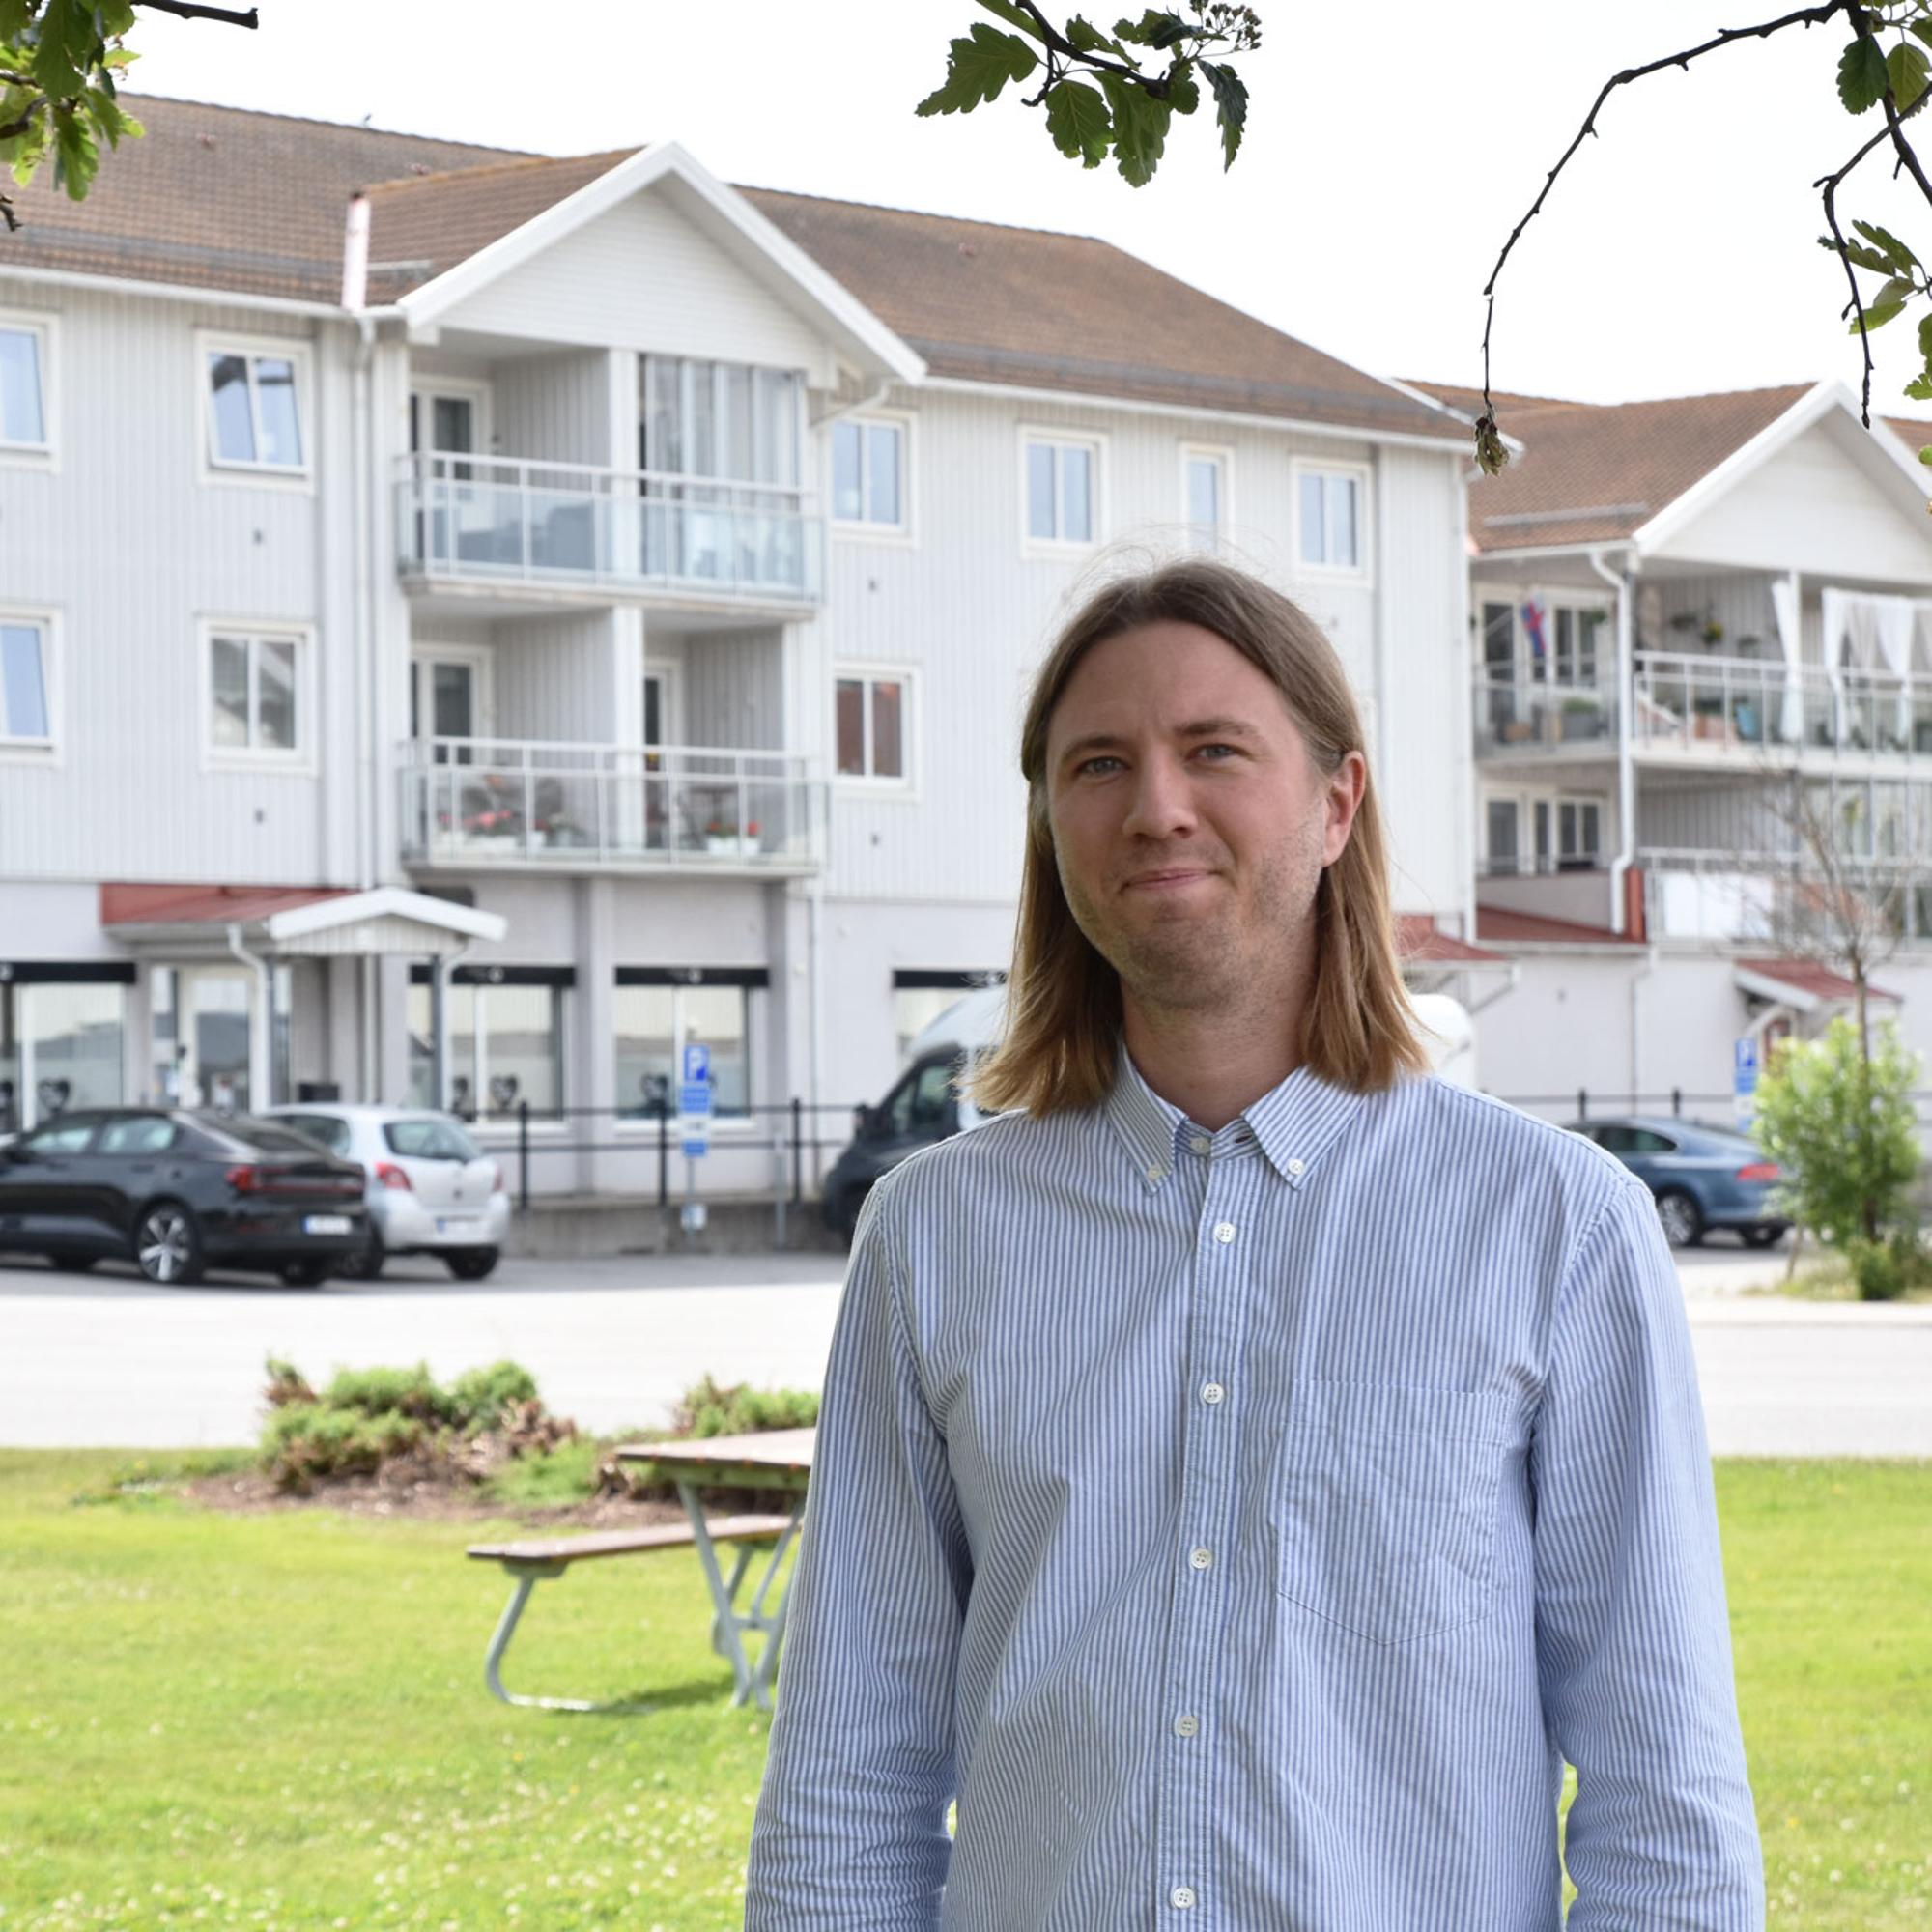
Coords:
1227,963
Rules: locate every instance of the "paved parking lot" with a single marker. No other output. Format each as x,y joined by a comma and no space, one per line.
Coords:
106,1359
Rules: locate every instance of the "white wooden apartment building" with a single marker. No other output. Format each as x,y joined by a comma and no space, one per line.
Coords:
1678,608
605,595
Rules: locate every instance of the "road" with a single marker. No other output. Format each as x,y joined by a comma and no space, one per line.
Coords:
104,1359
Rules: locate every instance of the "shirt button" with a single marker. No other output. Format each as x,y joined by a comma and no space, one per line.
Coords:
1199,1558
1200,1144
1156,1174
1295,1166
1182,1895
1211,1392
1186,1727
1223,1231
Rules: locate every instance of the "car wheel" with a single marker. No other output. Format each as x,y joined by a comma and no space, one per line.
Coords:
1763,1238
167,1245
1680,1218
308,1273
470,1263
72,1263
366,1262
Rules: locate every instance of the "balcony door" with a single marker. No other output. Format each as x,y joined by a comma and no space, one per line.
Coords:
444,422
742,426
448,699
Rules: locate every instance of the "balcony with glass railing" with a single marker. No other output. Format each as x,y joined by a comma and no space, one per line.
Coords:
1536,717
492,802
490,520
1713,710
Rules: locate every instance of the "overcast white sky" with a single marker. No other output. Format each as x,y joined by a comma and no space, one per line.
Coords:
1390,154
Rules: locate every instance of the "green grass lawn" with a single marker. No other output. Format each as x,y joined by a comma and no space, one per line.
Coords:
279,1719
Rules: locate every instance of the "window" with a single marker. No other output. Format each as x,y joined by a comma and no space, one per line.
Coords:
1203,493
654,1025
1061,487
26,710
254,398
60,1140
428,1140
1329,521
872,724
256,699
1501,839
869,474
145,1133
325,1130
1577,645
23,385
505,1048
919,1103
1580,833
59,1048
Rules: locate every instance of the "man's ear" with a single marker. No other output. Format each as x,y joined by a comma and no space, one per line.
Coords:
1343,790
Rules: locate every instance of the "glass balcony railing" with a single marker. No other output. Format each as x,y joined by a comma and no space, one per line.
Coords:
1709,706
499,520
471,801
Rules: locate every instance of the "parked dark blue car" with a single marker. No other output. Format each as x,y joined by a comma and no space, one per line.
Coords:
1702,1177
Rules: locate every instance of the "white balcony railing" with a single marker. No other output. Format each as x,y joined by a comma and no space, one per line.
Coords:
500,519
1713,707
473,801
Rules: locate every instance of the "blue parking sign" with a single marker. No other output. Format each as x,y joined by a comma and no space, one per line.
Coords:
696,1061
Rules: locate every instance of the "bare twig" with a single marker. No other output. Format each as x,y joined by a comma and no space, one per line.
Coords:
192,9
1830,184
1804,16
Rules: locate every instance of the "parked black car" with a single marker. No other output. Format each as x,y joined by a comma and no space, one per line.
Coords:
176,1192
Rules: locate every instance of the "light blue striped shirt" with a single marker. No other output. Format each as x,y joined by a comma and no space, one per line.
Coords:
1246,1526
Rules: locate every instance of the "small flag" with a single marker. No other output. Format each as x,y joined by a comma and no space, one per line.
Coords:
1532,622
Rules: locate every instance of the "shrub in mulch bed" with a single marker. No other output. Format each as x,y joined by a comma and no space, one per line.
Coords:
489,1433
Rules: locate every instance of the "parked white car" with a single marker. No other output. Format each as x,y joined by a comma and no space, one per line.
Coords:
431,1190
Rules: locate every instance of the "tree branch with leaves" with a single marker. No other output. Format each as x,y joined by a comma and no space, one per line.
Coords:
61,63
1886,64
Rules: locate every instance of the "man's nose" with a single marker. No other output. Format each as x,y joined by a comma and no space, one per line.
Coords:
1162,805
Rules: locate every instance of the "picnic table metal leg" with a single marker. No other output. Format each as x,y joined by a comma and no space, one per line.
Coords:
529,1576
766,1673
726,1622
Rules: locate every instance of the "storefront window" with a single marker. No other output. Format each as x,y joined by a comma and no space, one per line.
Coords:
59,1048
656,1023
505,1048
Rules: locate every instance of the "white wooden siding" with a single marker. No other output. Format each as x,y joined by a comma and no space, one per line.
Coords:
642,276
131,550
557,407
734,690
557,678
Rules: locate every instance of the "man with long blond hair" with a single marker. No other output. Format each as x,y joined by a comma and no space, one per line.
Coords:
1249,1468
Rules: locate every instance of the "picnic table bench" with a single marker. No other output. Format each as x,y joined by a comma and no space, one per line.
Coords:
778,1459
534,1559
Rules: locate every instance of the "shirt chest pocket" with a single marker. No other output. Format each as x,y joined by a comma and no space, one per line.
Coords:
1385,1502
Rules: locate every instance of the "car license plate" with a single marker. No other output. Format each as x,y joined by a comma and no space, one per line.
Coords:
326,1224
455,1223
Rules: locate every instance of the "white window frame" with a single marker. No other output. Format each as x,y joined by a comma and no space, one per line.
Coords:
425,384
294,350
45,751
1359,571
481,660
724,1127
1577,801
1221,453
301,759
905,789
1061,437
1526,846
45,328
906,531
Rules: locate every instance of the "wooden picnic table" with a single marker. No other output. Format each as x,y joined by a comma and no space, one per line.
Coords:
774,1459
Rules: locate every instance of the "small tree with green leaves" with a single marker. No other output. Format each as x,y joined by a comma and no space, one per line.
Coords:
1840,1126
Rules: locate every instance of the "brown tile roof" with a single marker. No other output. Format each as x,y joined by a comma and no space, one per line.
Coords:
226,198
136,905
1914,432
1421,942
1502,927
1815,980
1593,472
223,198
1041,310
435,221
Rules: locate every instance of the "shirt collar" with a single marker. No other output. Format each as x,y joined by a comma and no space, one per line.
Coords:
1293,1123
